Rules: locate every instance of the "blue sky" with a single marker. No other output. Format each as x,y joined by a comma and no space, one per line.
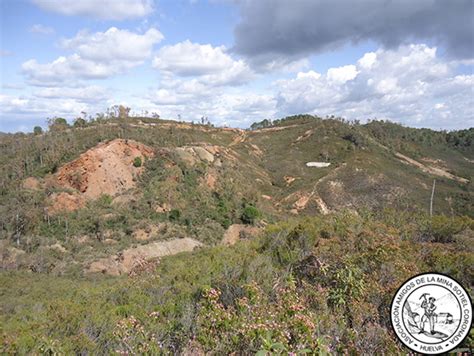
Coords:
239,61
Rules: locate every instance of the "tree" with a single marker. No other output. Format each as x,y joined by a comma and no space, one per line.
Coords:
80,122
123,112
262,124
37,130
56,124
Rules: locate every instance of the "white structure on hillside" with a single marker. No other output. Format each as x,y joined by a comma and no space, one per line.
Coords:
318,164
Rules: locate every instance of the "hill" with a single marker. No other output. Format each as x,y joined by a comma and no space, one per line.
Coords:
309,204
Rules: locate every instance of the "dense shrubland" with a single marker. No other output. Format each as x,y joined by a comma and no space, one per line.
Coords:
309,285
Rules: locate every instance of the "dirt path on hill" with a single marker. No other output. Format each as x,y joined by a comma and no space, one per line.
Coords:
241,137
430,169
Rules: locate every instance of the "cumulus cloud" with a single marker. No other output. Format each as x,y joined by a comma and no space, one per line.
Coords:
41,29
21,107
211,64
410,84
340,75
190,59
202,80
180,92
114,44
86,94
237,109
283,30
67,68
99,9
97,56
22,112
192,99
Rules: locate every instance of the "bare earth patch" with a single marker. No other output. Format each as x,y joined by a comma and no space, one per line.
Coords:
108,168
241,137
32,183
256,150
277,128
65,202
193,154
289,179
304,136
235,231
210,179
127,260
105,169
430,169
146,233
303,199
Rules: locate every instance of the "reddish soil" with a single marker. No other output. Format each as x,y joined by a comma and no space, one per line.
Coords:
105,169
65,202
31,183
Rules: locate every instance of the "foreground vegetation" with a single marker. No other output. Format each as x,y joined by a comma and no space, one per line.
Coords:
334,244
309,285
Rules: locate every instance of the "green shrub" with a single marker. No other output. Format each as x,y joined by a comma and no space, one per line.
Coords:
105,200
347,285
174,215
250,214
137,162
442,228
309,285
279,324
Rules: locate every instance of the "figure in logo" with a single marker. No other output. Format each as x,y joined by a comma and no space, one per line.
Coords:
429,316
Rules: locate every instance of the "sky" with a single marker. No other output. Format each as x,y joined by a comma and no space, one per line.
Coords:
237,62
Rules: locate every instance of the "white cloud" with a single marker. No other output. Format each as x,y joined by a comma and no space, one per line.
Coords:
386,86
87,94
191,59
211,64
24,107
237,109
41,29
114,44
367,60
7,102
310,74
22,112
97,56
100,9
340,75
192,99
404,85
67,68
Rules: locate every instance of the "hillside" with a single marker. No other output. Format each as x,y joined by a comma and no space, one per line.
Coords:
275,213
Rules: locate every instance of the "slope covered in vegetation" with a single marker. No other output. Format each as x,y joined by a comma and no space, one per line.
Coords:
322,284
338,214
